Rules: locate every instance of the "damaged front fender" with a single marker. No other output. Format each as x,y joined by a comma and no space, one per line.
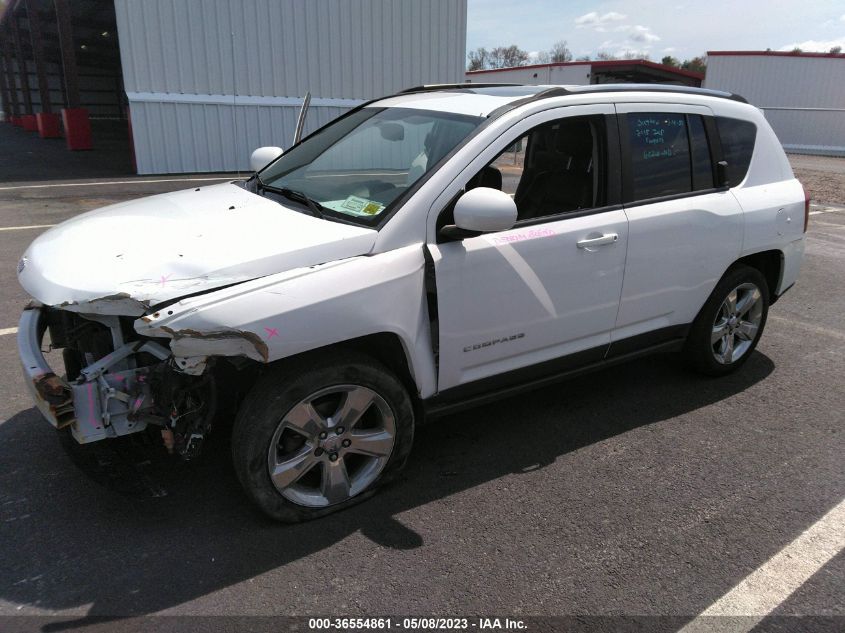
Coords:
189,344
295,312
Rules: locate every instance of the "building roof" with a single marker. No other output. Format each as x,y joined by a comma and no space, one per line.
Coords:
604,64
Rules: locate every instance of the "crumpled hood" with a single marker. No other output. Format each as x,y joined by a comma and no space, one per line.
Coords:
126,257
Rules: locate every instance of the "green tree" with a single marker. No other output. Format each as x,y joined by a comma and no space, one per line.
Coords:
696,64
670,61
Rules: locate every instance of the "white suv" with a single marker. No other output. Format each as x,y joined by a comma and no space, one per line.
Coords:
424,252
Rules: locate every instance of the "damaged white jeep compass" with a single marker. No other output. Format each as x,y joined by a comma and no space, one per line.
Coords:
423,252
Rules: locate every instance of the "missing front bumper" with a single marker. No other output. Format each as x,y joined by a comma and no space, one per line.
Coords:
110,398
52,395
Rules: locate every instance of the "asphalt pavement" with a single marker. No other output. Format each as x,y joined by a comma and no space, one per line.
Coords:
643,490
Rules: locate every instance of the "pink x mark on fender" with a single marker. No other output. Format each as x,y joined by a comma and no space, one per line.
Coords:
271,332
164,278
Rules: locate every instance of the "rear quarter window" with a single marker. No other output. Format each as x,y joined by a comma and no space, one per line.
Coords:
737,138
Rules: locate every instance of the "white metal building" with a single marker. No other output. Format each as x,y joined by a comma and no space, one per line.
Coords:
802,94
210,80
592,72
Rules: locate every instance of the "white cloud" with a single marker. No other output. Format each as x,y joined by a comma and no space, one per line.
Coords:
842,19
595,20
637,33
669,49
641,34
815,46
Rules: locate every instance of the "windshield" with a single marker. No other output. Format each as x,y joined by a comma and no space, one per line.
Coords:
357,166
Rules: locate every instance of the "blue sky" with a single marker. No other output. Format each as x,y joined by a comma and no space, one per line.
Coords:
680,28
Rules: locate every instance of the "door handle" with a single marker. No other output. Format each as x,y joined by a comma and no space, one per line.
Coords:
607,238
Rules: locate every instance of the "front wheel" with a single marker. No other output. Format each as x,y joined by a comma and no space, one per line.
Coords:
317,437
730,324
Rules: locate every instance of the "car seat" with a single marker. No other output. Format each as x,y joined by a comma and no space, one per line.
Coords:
561,176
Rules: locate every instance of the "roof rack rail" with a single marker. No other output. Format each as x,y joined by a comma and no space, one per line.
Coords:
574,90
434,87
562,91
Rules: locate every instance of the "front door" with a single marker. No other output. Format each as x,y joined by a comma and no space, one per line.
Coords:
547,291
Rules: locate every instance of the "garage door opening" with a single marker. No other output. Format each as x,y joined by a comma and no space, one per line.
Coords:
61,78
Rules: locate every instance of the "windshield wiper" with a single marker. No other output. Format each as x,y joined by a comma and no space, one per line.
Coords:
314,207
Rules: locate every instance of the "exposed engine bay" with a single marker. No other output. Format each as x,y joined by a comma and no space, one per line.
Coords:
118,383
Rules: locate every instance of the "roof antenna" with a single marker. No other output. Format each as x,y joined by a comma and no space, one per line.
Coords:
300,122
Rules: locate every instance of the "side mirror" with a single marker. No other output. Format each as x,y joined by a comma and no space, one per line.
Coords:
485,210
263,156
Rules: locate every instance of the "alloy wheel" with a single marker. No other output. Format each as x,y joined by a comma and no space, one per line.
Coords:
737,323
331,446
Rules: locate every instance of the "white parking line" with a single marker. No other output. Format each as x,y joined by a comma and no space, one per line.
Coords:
763,590
23,228
8,330
116,182
818,209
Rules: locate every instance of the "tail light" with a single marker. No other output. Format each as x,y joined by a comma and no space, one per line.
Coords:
806,207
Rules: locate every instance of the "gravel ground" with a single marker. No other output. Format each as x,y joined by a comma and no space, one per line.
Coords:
824,176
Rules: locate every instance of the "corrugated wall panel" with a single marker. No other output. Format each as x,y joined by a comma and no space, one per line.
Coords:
197,137
778,81
336,49
803,97
511,76
576,75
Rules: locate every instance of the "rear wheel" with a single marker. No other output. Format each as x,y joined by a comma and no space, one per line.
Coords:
317,437
730,324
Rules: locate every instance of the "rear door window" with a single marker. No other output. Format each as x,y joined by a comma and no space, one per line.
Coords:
669,154
737,138
659,154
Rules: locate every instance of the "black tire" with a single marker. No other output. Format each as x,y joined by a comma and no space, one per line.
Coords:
701,354
285,386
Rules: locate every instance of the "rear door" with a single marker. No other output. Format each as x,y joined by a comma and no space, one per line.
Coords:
684,231
544,295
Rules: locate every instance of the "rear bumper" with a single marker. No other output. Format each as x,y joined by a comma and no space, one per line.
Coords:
52,396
